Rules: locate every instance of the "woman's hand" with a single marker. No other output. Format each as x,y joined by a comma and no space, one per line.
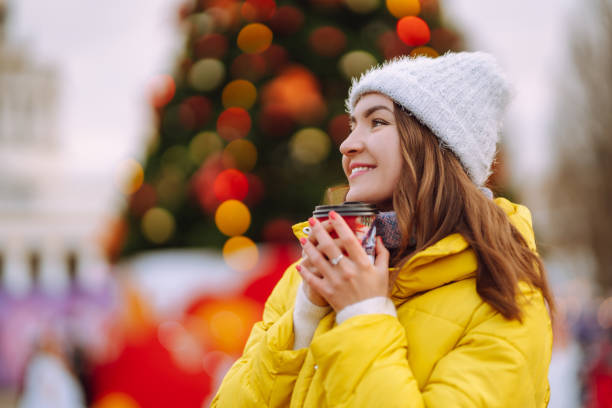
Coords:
312,295
354,278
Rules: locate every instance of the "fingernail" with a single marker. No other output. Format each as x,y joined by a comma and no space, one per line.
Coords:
311,221
303,241
298,267
333,215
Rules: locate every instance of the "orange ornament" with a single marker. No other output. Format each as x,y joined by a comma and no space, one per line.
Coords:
413,31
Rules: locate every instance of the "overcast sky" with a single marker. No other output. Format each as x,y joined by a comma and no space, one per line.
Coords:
106,53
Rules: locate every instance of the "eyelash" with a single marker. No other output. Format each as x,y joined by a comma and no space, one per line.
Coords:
374,123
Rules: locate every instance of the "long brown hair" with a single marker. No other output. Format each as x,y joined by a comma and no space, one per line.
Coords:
435,198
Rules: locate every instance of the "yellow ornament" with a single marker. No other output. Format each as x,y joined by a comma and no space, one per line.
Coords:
254,38
240,93
233,218
403,8
158,225
424,51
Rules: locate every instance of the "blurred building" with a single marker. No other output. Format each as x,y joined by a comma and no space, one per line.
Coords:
48,213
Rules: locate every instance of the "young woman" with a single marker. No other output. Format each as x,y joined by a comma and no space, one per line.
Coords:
455,311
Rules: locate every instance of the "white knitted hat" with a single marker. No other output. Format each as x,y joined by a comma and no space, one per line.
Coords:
461,97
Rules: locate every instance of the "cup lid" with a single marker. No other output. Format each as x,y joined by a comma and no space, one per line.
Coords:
347,208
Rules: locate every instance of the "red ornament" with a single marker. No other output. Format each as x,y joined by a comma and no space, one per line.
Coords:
195,112
287,20
233,123
251,67
413,31
327,41
230,184
203,180
211,46
258,10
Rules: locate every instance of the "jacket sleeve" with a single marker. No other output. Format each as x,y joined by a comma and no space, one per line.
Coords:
363,362
266,372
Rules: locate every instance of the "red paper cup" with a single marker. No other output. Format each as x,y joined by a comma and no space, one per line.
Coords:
359,217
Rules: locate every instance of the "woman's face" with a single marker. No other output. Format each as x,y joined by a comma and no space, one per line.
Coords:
371,156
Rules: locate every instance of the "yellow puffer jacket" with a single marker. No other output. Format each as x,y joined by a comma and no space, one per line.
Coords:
446,348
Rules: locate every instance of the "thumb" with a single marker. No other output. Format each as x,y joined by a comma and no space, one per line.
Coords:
382,255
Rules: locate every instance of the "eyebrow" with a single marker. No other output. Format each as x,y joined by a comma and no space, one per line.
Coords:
371,111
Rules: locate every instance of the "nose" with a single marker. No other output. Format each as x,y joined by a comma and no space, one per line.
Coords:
352,144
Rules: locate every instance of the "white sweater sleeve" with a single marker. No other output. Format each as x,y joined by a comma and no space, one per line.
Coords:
375,305
306,317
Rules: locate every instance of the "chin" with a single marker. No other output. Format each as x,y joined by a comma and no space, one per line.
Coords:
383,203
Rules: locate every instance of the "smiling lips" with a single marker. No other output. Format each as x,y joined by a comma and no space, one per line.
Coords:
358,169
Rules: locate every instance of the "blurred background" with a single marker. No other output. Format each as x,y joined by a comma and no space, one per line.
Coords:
155,153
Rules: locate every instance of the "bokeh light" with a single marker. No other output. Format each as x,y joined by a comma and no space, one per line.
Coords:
287,20
225,14
233,218
254,38
170,187
224,324
276,121
391,45
211,46
116,400
176,156
278,230
256,190
355,63
206,74
251,67
297,90
403,8
258,10
310,146
233,123
195,112
130,176
157,225
201,24
162,90
424,51
277,58
240,253
339,128
413,31
204,144
230,184
143,199
241,154
240,93
363,6
203,180
327,41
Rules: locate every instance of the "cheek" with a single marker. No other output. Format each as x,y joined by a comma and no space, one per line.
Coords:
344,165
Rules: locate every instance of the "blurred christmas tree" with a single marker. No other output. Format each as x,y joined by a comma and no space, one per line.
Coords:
249,122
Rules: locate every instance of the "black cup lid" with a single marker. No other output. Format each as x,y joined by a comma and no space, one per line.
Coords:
347,208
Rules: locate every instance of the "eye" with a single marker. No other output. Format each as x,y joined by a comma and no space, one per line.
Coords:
378,122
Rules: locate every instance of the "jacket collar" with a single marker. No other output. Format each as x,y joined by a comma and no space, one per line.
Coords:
448,260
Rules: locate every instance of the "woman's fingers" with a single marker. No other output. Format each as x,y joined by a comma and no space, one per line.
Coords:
324,242
313,280
382,255
347,239
307,263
